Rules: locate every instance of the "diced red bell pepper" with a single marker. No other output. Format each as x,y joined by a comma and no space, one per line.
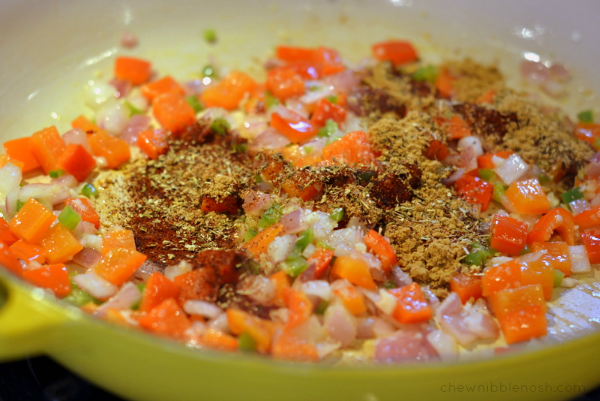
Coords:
591,240
382,248
173,112
134,70
321,259
588,218
557,255
557,219
6,235
467,286
327,111
229,92
412,306
588,132
509,235
54,277
285,82
114,150
158,289
153,142
77,161
299,307
85,210
167,319
458,127
474,190
351,148
47,146
437,150
501,277
397,51
485,161
164,85
8,259
540,272
28,252
18,149
295,127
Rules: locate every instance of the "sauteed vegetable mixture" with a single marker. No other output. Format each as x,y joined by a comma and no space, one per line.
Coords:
386,211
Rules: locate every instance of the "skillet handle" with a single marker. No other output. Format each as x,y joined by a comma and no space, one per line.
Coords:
26,319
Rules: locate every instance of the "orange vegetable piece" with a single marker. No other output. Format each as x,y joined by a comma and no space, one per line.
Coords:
437,150
539,272
588,218
281,281
259,329
32,221
229,92
121,238
587,132
559,220
296,128
354,270
326,110
158,288
85,210
487,97
397,51
501,277
485,161
6,235
382,248
289,347
18,149
321,259
557,255
153,142
467,286
166,319
47,146
229,204
521,312
28,252
114,150
118,265
509,235
444,83
164,85
412,306
261,241
54,277
458,128
328,61
5,159
352,300
134,70
77,161
591,240
294,53
351,148
474,190
60,244
173,112
300,187
8,260
299,307
87,126
528,197
285,82
218,340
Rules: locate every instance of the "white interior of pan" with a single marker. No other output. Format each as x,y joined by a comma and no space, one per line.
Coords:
49,49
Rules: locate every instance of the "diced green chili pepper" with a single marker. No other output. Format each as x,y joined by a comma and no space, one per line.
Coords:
210,35
486,174
141,287
246,342
478,255
240,148
428,73
79,297
271,216
324,245
558,277
337,214
585,116
333,99
249,234
597,143
294,265
499,190
89,190
525,250
220,126
321,307
69,218
270,100
305,238
388,285
258,179
56,173
132,109
308,149
19,204
329,129
209,71
571,195
193,101
544,179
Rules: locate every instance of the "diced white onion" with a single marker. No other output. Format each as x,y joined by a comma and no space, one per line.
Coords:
444,344
202,308
318,288
10,178
511,169
127,296
279,249
579,206
177,270
568,282
95,285
580,262
387,302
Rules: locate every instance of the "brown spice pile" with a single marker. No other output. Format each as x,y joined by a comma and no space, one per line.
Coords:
160,200
472,79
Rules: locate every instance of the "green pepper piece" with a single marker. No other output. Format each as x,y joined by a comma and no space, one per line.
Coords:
69,218
220,126
193,101
132,109
558,277
571,195
305,238
332,99
486,174
246,342
585,116
89,190
248,235
428,73
210,35
499,190
329,129
271,216
321,307
337,214
294,265
56,173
